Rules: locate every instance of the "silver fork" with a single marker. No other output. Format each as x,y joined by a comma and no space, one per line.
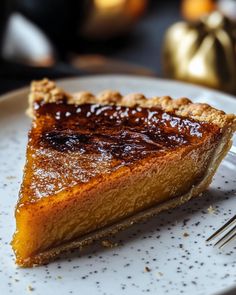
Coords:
228,236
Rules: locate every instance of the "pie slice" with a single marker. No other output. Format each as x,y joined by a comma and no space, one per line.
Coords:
96,165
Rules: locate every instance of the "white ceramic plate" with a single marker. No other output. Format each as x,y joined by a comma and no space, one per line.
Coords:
178,263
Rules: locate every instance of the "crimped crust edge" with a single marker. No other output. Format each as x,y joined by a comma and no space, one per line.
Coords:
47,91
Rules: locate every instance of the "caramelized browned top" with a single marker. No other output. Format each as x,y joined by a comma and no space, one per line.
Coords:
120,132
87,140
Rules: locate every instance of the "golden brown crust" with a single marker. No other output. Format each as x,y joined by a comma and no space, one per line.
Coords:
182,107
49,92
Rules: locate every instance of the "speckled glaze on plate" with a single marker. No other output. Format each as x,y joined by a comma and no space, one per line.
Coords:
166,255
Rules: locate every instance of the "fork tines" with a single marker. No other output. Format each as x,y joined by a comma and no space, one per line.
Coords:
228,236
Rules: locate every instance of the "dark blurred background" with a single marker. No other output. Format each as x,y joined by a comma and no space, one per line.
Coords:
60,38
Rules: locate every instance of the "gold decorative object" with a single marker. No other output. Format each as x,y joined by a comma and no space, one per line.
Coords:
108,18
203,52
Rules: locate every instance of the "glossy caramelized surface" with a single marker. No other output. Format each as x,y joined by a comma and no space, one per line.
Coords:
90,139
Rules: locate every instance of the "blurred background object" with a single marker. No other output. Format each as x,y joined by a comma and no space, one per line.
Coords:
59,19
193,9
98,64
61,38
24,42
203,52
109,18
64,22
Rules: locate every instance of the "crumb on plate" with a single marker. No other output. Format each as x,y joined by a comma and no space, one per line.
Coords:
147,269
211,210
109,244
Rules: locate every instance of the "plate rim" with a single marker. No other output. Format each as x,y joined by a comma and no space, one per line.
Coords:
24,91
